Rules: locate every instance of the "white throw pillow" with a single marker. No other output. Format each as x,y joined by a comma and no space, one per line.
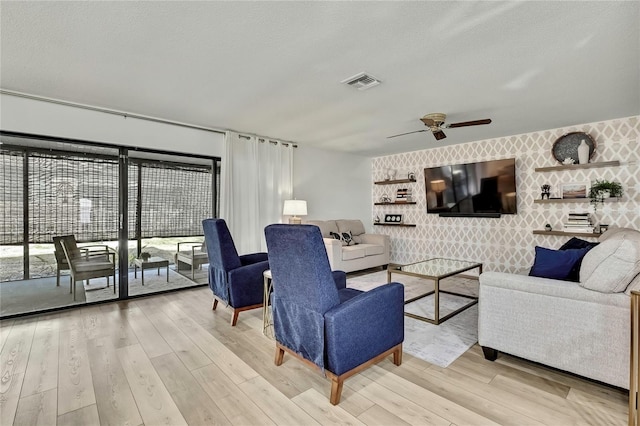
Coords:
610,266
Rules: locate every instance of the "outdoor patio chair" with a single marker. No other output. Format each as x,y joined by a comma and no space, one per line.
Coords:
341,331
84,263
88,251
195,256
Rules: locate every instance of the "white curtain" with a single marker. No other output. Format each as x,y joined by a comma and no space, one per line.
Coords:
257,176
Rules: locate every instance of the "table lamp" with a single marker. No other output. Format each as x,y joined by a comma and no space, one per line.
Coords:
294,208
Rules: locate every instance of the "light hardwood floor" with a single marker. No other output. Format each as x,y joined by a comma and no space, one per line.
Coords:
169,359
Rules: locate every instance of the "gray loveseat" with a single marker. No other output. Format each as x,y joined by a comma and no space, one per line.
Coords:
582,328
366,251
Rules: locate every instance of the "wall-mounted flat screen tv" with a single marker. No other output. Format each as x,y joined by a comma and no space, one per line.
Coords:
486,188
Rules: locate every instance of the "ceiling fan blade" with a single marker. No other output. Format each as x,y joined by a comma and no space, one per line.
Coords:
408,133
439,134
469,123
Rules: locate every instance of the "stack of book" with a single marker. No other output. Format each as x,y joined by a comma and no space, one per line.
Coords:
578,222
403,195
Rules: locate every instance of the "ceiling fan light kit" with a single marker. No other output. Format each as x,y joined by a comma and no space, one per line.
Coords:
436,122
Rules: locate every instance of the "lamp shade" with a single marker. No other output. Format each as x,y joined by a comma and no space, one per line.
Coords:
295,208
438,185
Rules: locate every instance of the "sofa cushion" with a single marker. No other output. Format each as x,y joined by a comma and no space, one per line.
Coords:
326,227
620,233
555,264
610,267
372,249
352,252
576,243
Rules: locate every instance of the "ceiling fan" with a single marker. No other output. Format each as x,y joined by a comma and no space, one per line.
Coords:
435,124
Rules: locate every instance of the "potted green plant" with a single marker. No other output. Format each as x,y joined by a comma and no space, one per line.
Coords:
602,189
145,256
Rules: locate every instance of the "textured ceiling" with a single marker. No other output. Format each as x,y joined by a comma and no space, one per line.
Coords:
274,68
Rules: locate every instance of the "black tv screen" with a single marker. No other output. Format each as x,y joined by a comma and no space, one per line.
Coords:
486,188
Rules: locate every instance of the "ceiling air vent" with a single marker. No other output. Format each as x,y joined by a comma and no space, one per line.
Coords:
361,81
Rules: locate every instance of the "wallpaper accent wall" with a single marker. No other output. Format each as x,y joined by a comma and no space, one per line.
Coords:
507,244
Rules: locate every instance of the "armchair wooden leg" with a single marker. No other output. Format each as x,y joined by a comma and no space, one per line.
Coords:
234,317
279,355
397,355
215,304
336,390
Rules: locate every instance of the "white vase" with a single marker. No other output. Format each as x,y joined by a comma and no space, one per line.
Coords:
583,152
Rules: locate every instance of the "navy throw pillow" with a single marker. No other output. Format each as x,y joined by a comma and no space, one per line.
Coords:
577,243
555,264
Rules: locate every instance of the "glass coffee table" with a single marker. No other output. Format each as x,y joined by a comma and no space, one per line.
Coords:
436,270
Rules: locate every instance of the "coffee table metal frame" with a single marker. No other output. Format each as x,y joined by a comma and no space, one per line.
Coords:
152,262
267,316
448,270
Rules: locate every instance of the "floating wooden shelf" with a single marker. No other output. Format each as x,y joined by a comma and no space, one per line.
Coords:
566,234
573,200
399,203
395,224
391,182
578,166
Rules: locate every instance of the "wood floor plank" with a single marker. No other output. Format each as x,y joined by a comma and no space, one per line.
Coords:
38,409
42,368
400,406
378,416
13,363
318,407
233,366
183,346
86,416
193,402
152,397
562,409
229,397
274,404
114,400
571,380
150,340
5,329
458,392
525,406
75,386
437,404
9,397
611,412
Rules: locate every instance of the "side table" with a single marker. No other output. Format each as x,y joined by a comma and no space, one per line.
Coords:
267,319
152,262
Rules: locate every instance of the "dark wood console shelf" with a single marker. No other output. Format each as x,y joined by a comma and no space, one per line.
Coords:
578,166
391,182
395,224
573,200
392,203
566,234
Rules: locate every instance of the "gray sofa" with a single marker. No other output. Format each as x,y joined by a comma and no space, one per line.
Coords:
367,251
582,328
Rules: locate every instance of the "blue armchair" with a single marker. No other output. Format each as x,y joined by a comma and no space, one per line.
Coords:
340,330
236,281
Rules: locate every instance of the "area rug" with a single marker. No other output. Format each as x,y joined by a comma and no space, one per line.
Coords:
437,344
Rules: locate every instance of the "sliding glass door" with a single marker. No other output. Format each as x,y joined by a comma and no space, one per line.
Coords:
51,188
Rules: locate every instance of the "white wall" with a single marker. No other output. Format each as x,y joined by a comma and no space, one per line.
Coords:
335,185
45,118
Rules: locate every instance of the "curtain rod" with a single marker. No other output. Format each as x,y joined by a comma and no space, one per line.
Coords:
269,140
122,113
108,111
